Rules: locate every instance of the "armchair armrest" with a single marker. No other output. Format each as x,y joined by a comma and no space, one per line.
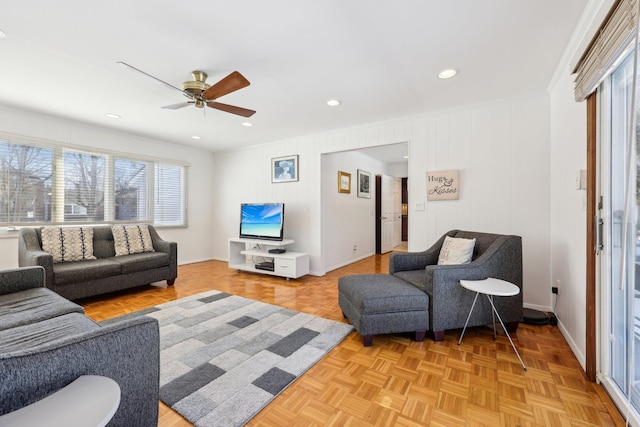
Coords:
407,261
127,351
21,279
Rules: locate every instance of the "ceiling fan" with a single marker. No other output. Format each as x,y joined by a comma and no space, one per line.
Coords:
200,93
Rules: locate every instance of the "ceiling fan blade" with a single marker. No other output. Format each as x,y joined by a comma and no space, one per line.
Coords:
179,105
244,112
132,68
231,83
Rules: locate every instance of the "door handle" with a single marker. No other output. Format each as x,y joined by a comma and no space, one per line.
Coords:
597,228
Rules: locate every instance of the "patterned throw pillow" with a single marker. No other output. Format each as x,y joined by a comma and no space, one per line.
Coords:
131,239
456,251
68,244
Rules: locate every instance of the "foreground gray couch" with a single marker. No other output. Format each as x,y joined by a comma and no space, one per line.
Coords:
46,342
494,255
108,272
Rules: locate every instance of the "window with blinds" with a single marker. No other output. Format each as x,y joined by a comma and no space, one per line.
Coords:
56,185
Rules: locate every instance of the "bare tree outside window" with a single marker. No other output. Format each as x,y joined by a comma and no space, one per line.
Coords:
131,195
25,183
84,187
36,177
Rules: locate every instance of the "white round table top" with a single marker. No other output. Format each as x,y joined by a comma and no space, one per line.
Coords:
491,286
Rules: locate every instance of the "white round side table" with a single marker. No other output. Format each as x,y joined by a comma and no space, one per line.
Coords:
491,287
89,401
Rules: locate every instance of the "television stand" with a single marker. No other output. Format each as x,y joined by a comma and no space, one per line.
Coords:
245,254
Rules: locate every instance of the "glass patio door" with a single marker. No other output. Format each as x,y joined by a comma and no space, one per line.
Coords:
620,256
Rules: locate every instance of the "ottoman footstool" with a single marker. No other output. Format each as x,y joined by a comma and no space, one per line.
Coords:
383,304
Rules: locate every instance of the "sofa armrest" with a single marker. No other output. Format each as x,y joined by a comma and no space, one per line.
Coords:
30,254
127,351
21,279
168,247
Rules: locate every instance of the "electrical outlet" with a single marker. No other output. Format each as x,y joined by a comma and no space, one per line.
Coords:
554,290
355,248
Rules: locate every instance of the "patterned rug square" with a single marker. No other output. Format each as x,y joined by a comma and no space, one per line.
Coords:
223,357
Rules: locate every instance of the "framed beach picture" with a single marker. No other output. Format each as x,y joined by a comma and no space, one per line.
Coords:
364,184
344,182
284,169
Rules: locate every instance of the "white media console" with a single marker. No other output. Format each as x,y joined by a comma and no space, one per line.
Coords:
244,254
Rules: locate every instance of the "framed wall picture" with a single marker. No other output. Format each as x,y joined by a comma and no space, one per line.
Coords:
364,184
284,169
344,182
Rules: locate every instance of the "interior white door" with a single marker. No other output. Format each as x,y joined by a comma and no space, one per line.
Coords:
386,209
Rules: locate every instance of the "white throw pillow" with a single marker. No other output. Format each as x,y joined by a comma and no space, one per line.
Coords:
131,239
456,251
68,244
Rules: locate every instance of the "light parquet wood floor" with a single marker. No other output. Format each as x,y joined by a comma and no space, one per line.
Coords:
397,382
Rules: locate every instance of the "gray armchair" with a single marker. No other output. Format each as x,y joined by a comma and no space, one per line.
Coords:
494,255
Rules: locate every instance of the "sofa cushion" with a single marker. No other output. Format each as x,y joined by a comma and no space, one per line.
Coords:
34,335
456,251
74,272
141,262
131,239
33,305
68,244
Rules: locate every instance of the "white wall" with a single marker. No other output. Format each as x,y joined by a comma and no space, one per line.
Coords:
501,149
568,219
194,242
348,221
502,153
568,139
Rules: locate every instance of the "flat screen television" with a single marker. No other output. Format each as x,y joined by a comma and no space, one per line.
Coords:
262,221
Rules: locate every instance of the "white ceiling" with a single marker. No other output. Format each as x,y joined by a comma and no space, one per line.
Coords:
380,58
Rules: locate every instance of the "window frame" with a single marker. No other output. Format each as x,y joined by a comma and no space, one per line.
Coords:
109,187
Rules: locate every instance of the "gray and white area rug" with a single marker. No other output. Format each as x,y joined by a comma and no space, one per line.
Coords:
223,357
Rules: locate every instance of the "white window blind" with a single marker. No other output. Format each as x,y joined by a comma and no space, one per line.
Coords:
84,187
169,202
25,183
43,183
607,48
131,190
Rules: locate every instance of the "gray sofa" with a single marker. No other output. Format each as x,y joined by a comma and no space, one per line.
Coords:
494,255
46,342
107,273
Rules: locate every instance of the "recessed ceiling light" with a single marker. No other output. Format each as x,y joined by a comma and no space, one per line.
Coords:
2,34
196,137
333,102
247,124
447,74
405,157
113,116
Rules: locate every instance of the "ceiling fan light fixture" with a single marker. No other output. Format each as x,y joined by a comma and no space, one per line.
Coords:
113,116
447,74
333,102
